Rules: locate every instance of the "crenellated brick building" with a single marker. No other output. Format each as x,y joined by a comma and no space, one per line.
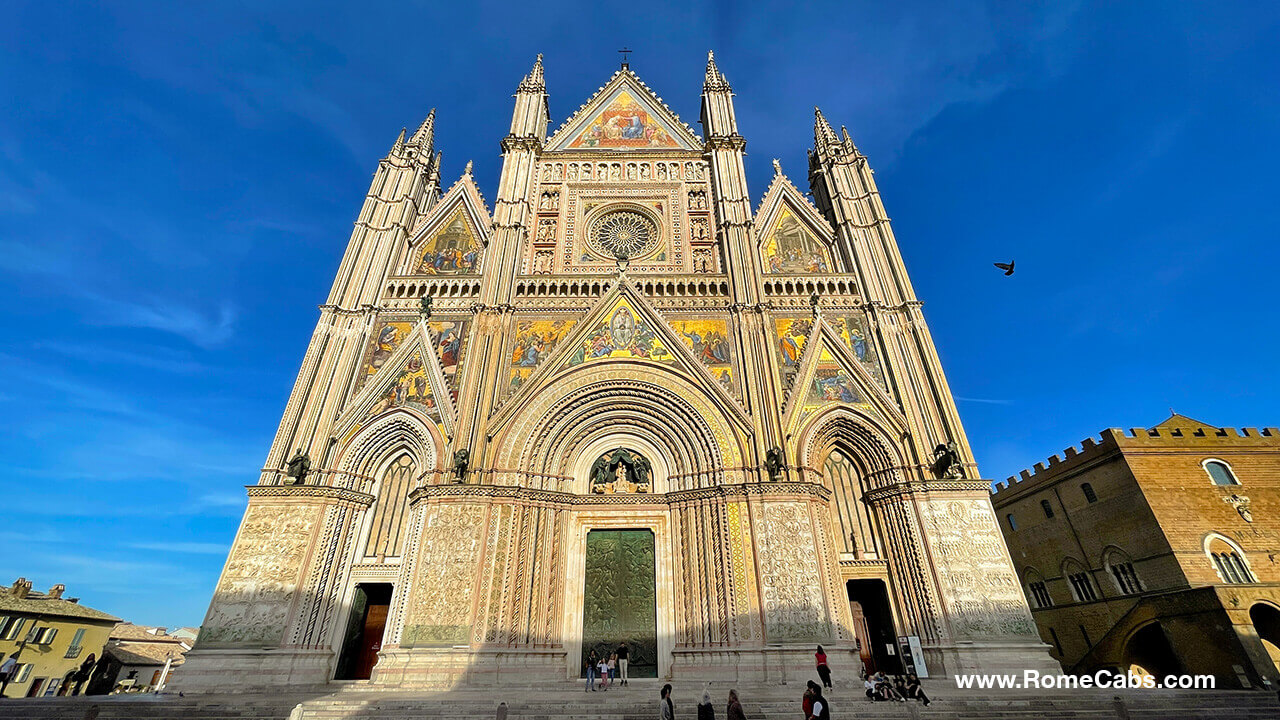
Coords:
1154,548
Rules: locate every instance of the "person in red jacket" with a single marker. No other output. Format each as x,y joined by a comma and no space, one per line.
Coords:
824,672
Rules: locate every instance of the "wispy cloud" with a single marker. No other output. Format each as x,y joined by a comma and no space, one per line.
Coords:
989,401
205,329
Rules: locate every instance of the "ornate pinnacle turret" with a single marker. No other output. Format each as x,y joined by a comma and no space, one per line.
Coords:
534,82
715,80
425,135
399,143
433,174
849,147
822,132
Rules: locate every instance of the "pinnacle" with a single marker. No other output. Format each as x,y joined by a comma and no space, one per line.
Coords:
822,132
425,135
399,139
534,81
715,79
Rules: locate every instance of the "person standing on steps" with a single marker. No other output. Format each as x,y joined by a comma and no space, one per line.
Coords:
735,707
666,709
706,711
613,669
591,670
821,708
603,667
824,672
806,700
623,655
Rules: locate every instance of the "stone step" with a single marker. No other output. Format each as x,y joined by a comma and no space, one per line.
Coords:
570,703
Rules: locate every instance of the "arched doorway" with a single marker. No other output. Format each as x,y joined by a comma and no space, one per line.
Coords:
1149,652
1266,621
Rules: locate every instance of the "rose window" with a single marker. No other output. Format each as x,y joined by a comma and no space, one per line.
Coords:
624,234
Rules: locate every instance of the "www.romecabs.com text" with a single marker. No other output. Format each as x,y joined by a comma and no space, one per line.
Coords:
1034,680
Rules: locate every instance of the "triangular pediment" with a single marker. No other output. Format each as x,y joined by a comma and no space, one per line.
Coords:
452,236
794,237
830,374
624,326
411,378
624,115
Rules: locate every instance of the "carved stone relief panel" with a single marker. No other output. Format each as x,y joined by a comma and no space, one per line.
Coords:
794,609
440,607
252,601
978,585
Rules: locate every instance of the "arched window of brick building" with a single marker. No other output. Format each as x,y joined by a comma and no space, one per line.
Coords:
1228,560
1220,472
1037,592
1089,494
1077,576
1120,568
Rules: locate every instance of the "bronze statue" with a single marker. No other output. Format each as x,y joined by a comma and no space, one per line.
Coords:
461,460
298,468
643,472
947,462
773,462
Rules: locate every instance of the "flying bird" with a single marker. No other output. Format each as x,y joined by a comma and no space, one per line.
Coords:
1006,267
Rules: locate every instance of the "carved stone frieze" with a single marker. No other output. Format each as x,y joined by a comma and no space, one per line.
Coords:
977,582
252,601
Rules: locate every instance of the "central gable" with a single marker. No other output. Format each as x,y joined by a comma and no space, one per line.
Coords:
624,115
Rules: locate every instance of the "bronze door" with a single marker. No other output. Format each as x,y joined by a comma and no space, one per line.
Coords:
620,598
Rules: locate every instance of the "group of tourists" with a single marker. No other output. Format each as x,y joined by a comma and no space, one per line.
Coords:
879,686
609,670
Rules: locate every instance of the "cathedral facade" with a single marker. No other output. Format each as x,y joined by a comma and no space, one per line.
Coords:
627,402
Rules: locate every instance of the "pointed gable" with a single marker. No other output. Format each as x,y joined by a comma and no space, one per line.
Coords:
795,238
1184,423
409,377
622,326
452,237
624,115
829,374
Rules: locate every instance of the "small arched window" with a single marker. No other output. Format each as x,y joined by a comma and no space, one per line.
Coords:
1122,573
1037,591
1089,494
1012,525
1082,589
1220,472
1048,509
1228,560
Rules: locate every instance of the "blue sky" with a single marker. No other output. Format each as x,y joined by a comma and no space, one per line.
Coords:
178,182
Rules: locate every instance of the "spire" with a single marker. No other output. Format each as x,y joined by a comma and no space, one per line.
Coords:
399,143
848,141
715,80
425,136
822,132
534,82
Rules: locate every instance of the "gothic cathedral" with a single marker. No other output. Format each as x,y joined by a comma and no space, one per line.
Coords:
625,404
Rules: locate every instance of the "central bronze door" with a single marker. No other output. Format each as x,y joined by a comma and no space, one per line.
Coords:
620,598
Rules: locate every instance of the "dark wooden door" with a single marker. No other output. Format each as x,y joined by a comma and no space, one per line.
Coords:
375,622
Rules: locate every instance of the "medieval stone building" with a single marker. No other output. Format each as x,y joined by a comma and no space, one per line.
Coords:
626,403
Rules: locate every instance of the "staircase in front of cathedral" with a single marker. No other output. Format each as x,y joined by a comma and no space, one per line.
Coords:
640,702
